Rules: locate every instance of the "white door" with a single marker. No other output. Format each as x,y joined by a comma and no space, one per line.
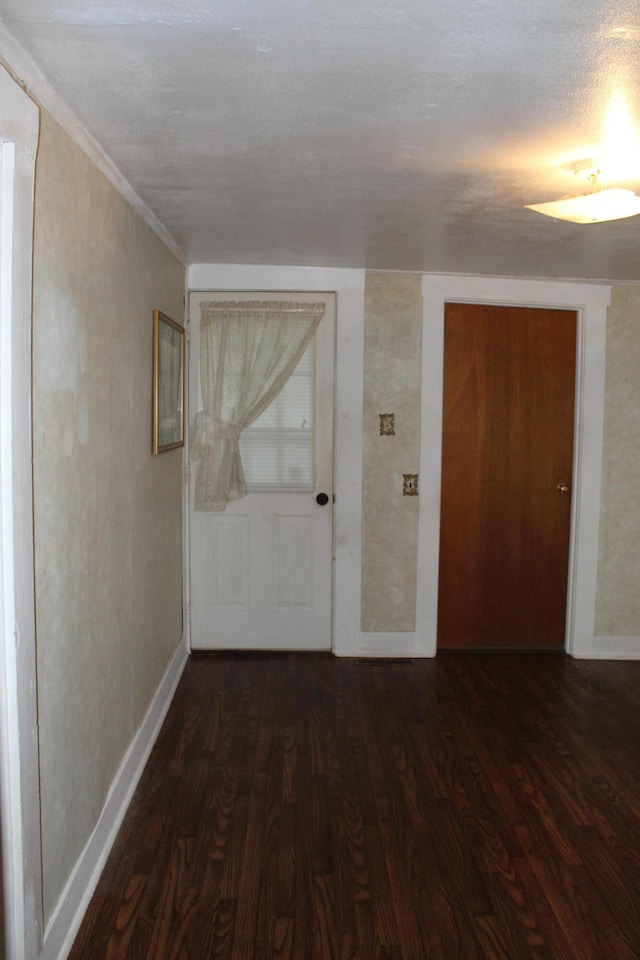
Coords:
261,572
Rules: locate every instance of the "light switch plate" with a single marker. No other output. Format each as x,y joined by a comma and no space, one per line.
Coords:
410,484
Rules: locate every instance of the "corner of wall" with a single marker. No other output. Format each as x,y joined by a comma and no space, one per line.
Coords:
74,899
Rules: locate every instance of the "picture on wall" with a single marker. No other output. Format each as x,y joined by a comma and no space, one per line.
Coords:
168,383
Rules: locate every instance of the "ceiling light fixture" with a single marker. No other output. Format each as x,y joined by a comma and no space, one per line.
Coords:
598,206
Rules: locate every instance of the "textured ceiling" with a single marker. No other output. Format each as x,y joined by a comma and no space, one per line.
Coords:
402,135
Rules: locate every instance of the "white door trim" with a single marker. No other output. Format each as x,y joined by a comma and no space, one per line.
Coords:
590,301
22,870
348,286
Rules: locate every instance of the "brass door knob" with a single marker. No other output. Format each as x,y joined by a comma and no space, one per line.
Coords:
563,488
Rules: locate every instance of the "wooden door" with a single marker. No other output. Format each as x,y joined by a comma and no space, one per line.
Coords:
507,456
261,574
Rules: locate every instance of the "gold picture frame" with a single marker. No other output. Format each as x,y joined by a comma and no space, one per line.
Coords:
168,383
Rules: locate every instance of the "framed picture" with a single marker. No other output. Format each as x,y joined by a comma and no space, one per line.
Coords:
168,383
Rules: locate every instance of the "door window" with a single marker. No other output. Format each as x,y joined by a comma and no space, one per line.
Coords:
277,450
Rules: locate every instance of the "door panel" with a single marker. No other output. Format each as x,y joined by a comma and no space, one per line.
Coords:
261,571
226,556
508,413
292,561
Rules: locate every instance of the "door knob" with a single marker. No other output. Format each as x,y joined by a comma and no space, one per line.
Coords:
563,488
322,499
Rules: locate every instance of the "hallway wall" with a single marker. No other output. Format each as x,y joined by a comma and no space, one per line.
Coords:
108,514
618,599
392,371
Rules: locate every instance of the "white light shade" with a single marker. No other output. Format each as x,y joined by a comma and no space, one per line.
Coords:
596,207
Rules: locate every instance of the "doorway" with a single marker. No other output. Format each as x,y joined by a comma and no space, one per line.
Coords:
590,301
19,773
507,463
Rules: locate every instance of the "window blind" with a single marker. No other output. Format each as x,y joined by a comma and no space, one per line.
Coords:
277,450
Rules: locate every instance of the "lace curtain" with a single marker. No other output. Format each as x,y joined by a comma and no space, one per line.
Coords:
248,351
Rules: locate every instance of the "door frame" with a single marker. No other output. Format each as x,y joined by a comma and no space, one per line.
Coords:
19,762
348,285
590,301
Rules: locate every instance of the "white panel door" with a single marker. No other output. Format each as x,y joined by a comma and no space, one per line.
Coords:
261,572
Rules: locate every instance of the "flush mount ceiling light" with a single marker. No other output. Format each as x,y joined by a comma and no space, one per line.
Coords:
613,204
596,207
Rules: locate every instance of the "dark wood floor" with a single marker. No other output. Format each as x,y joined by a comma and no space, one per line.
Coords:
472,806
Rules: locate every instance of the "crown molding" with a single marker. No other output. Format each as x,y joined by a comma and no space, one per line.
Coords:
28,74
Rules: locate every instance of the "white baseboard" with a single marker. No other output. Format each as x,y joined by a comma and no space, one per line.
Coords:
65,922
611,648
389,645
384,646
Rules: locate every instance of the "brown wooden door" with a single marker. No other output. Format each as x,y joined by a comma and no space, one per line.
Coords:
509,376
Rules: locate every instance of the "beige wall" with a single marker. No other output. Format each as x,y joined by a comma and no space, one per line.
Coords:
108,518
392,374
618,597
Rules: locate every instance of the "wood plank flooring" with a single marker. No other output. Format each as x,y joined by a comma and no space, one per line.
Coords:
480,806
